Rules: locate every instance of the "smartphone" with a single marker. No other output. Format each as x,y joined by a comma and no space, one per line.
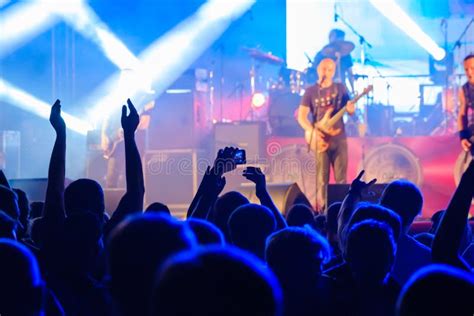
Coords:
239,157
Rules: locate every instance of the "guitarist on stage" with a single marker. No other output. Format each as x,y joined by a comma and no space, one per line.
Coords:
318,99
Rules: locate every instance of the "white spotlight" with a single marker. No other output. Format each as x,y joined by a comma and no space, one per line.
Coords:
392,11
17,97
170,55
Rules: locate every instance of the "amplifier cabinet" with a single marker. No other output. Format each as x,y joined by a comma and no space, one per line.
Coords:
172,176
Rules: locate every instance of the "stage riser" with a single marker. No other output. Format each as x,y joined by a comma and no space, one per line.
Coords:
434,158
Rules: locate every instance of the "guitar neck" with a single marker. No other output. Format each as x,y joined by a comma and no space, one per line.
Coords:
336,117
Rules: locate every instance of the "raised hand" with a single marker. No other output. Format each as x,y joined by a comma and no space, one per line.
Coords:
358,185
130,121
225,160
255,175
55,117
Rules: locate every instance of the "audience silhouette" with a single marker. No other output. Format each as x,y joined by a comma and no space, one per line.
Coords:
65,256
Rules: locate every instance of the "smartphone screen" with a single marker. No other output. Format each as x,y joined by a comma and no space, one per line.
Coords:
239,157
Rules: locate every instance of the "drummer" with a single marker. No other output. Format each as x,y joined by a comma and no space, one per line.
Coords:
340,51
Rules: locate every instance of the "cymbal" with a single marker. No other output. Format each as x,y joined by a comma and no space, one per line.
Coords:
264,57
344,48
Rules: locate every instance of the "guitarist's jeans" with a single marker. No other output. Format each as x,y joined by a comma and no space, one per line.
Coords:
115,173
335,156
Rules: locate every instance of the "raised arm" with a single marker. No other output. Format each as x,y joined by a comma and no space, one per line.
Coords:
212,184
54,201
447,242
257,176
350,201
132,201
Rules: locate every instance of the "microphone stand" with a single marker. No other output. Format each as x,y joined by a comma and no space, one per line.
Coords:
362,40
364,45
313,134
458,44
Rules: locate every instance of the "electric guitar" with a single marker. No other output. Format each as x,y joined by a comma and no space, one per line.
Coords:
110,152
319,137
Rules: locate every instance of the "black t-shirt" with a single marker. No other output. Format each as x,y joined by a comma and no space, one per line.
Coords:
320,100
468,90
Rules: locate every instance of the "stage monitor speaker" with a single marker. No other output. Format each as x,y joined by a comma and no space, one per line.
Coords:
10,142
337,193
246,135
284,195
35,188
171,176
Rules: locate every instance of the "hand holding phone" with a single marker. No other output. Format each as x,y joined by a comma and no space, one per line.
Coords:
255,175
228,158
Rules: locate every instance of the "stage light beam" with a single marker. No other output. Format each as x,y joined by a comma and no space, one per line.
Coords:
170,55
21,99
393,12
22,22
84,20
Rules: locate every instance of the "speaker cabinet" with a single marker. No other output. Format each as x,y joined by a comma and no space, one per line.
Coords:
337,192
246,135
179,118
171,176
284,195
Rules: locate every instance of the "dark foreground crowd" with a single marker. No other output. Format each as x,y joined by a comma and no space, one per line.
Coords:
65,256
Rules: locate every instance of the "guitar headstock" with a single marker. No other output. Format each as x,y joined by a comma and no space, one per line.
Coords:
365,92
368,89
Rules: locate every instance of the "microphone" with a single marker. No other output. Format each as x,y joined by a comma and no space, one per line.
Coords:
323,78
336,16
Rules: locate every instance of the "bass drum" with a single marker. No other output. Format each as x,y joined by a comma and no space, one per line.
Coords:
391,162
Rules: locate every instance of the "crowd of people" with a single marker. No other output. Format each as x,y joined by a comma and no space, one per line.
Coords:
65,256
